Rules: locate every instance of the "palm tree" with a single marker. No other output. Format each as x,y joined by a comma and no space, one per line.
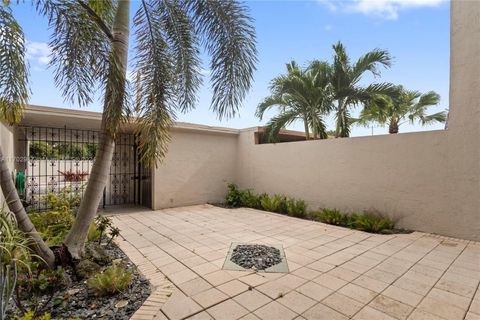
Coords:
300,95
90,46
400,107
345,80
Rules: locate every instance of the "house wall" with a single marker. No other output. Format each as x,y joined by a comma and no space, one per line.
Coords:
426,181
196,170
6,142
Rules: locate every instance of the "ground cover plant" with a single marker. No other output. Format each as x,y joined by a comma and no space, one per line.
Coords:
368,221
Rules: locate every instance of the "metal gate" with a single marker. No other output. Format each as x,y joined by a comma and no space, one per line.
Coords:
59,160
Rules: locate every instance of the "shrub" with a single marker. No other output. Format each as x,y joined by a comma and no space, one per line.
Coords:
249,199
233,198
297,208
372,222
265,202
112,280
332,216
53,225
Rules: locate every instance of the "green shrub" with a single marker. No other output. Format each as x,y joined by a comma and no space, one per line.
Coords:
112,280
372,222
332,216
233,198
249,199
296,208
279,204
53,226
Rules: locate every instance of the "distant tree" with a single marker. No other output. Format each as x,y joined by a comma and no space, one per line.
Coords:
402,106
345,80
299,95
42,150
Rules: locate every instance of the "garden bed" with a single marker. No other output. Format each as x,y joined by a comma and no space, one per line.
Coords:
76,300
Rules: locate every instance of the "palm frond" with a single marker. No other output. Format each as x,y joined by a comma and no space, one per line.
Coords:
155,72
229,36
183,45
267,103
277,123
13,68
371,61
80,48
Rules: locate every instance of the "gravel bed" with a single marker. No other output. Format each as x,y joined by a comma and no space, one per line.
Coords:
255,256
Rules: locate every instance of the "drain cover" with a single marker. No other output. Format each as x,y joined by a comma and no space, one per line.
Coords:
256,257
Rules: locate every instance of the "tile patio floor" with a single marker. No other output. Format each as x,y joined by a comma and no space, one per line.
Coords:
335,273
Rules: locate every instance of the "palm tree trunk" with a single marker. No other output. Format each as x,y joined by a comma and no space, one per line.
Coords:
393,126
15,205
77,236
342,121
307,132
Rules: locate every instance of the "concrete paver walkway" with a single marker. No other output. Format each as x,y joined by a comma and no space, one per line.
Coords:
335,273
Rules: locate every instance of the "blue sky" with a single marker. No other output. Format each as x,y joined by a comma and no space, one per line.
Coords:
416,32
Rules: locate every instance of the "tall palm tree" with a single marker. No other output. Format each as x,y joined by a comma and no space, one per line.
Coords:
300,95
400,107
90,46
345,81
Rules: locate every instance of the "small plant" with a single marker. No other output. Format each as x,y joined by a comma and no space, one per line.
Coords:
32,287
296,208
30,315
233,198
332,216
249,199
372,222
279,204
114,232
103,223
114,279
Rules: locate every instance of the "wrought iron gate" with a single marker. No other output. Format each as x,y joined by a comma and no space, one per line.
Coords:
59,160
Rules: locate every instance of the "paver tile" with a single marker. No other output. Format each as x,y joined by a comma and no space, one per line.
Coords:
322,312
233,288
343,304
275,311
209,297
227,310
314,291
297,302
391,307
252,299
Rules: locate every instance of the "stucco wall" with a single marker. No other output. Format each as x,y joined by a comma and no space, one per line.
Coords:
196,170
6,142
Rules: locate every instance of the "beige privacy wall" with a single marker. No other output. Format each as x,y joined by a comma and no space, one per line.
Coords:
6,142
427,181
198,166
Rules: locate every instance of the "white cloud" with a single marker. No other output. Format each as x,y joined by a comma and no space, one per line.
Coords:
38,53
386,9
328,27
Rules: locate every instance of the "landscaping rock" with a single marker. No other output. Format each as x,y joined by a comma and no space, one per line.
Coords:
87,268
96,253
